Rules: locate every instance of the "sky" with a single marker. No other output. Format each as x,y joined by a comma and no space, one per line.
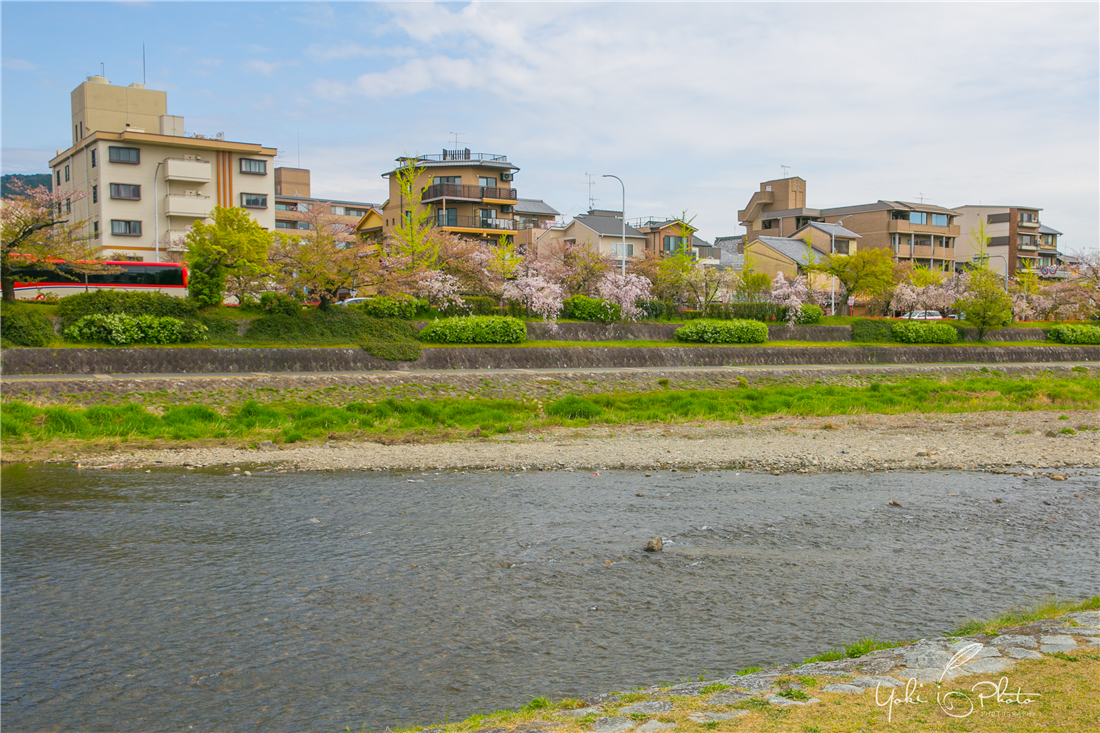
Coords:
693,105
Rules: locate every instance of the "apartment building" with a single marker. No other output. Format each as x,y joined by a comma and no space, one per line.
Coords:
147,180
1018,240
293,194
920,233
467,193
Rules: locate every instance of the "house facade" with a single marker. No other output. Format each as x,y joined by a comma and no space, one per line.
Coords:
147,181
603,231
1018,240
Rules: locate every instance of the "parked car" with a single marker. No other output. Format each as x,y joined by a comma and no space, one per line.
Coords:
923,315
353,301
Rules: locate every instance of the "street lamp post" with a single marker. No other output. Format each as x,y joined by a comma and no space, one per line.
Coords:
978,259
156,210
623,252
832,251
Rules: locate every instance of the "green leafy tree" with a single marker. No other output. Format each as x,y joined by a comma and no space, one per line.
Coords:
752,286
233,245
413,243
985,304
867,273
326,261
504,262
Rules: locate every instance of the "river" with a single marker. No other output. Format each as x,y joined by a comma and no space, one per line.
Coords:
178,600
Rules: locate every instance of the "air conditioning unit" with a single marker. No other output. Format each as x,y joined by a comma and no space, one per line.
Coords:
505,176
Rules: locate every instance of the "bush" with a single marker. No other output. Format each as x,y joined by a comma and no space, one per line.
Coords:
390,339
749,311
107,302
475,330
120,329
280,304
386,307
583,308
573,408
24,327
869,331
652,309
710,331
809,315
923,332
479,305
1075,334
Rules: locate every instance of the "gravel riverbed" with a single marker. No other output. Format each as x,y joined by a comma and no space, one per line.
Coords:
987,440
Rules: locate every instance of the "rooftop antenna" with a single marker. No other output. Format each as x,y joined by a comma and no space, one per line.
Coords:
591,201
456,134
101,71
143,64
921,197
299,147
784,168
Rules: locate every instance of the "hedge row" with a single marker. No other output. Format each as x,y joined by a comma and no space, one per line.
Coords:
475,330
120,329
1075,334
106,302
583,308
24,327
923,332
710,331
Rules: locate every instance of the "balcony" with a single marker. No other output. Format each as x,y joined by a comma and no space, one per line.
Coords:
1028,224
464,154
196,171
460,192
1027,246
191,205
477,225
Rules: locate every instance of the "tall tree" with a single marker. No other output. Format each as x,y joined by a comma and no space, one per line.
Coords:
233,245
867,273
325,259
39,230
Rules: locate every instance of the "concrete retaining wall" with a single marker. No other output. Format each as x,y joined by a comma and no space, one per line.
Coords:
213,360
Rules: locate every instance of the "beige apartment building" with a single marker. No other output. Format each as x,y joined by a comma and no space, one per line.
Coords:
146,180
1018,240
920,233
293,194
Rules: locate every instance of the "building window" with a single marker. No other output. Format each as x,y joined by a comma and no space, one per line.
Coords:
918,217
68,206
254,167
448,218
355,212
122,228
58,176
446,179
254,200
939,220
285,207
95,158
125,191
95,230
301,225
66,174
1024,215
671,244
487,182
337,211
95,194
487,213
124,155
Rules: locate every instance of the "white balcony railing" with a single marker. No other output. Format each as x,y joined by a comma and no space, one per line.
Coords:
196,207
178,169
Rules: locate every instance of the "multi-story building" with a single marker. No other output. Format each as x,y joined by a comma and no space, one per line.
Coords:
665,235
292,194
920,233
1017,241
467,193
146,180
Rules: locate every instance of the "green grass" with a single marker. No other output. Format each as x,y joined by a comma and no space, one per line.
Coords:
292,421
1046,607
866,645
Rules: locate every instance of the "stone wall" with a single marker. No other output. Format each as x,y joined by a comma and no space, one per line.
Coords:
216,360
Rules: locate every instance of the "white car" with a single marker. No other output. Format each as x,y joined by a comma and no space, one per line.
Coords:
353,301
923,315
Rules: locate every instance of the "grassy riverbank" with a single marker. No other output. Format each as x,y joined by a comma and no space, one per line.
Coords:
138,419
1062,686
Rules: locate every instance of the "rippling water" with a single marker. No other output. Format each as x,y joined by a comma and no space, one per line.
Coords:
294,602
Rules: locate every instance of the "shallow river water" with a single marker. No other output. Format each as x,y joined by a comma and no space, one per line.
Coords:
178,600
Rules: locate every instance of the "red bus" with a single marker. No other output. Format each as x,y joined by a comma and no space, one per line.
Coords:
34,283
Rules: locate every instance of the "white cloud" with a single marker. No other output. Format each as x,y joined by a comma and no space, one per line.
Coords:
344,51
19,65
267,68
26,162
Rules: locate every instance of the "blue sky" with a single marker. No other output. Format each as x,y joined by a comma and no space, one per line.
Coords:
692,105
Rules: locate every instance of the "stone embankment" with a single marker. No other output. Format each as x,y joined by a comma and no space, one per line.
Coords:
1020,441
884,674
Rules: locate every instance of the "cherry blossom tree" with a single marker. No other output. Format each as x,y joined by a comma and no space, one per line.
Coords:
440,289
326,259
625,292
537,293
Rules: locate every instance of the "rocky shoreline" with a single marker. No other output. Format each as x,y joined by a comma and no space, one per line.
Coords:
1051,441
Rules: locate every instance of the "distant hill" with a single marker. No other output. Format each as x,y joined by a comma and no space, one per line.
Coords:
37,179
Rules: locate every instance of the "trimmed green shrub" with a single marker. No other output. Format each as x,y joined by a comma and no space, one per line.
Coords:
869,331
24,327
280,304
120,329
808,315
749,311
574,408
923,332
386,307
480,305
390,339
583,308
105,302
475,330
652,309
1075,334
710,331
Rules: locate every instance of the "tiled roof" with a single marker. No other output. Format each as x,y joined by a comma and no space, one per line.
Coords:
830,229
1044,229
534,206
607,225
793,248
